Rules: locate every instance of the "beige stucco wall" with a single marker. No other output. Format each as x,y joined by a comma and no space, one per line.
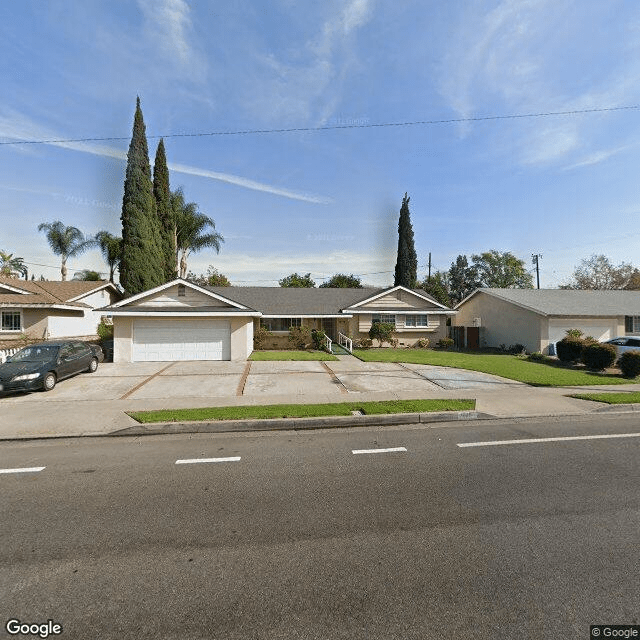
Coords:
241,328
122,334
502,322
34,324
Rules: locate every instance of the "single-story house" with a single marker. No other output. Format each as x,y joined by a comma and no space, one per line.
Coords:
538,318
183,321
45,309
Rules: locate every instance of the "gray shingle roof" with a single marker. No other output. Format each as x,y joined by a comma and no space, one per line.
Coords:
569,302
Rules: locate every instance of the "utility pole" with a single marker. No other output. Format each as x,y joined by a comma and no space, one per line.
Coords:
429,276
536,259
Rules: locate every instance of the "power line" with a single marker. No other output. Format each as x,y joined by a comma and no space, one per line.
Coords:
244,132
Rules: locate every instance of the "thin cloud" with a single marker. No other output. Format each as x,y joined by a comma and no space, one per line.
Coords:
596,158
17,127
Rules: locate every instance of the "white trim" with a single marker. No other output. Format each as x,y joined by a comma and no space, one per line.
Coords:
509,301
308,315
4,285
185,314
391,290
414,312
42,305
100,288
167,285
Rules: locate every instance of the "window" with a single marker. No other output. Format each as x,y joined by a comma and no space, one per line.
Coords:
383,318
416,321
11,321
280,324
632,324
181,291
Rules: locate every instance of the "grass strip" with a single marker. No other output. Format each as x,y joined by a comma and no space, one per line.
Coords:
632,397
507,366
301,410
291,355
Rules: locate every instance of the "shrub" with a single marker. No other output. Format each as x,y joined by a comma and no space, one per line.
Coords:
598,356
365,343
517,349
574,333
259,337
569,349
300,337
422,343
318,336
383,332
629,364
444,343
538,357
105,331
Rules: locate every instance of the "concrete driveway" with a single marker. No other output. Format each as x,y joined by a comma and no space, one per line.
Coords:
206,379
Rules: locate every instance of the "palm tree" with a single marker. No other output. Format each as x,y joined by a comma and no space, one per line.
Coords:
66,242
189,230
111,248
11,267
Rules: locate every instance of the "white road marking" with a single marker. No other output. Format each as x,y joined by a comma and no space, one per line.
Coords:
534,440
392,449
196,460
23,470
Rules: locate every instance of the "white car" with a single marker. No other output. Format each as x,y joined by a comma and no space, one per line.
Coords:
625,343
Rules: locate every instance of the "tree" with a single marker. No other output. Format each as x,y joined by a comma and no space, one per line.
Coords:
111,248
502,270
342,281
407,261
213,278
11,267
162,196
598,272
295,280
190,226
438,288
141,266
66,242
462,279
87,275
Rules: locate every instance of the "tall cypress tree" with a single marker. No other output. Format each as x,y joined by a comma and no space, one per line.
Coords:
407,261
162,195
142,265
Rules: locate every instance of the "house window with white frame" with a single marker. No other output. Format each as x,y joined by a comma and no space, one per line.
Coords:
383,318
11,321
280,324
420,320
632,324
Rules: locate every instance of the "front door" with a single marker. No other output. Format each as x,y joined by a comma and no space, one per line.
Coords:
473,337
329,327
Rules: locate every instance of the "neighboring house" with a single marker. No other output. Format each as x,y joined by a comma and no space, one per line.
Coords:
538,318
52,309
183,321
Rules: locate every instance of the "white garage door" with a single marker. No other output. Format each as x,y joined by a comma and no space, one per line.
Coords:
599,329
162,340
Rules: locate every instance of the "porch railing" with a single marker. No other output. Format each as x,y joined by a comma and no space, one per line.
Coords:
346,342
327,343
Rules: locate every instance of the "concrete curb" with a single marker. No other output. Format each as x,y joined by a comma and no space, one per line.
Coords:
618,408
280,424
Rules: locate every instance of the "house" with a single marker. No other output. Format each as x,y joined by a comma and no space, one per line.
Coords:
183,321
52,309
538,318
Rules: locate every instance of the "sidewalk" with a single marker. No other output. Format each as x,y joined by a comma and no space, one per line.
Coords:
71,418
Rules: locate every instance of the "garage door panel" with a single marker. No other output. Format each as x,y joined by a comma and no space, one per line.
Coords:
159,340
600,329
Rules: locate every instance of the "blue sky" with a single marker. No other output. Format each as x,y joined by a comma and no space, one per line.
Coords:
326,202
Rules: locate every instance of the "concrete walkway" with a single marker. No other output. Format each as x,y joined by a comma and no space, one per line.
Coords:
95,404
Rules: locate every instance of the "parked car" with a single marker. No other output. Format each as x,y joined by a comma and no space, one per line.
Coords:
622,344
42,366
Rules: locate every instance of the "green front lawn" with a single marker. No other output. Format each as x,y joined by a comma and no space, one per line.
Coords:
301,410
291,355
507,366
632,397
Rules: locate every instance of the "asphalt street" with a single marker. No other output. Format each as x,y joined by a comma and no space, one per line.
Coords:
293,535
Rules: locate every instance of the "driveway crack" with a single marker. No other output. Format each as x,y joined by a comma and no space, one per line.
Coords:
155,375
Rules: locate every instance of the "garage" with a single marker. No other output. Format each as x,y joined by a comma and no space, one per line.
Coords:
171,339
601,329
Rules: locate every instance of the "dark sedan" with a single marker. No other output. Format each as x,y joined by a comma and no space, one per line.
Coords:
41,366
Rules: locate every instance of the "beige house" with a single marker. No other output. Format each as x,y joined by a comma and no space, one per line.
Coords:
182,321
52,309
538,318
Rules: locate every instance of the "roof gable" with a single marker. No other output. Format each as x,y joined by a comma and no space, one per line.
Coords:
398,298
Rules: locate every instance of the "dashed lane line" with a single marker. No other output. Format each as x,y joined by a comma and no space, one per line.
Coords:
23,470
199,460
493,443
388,450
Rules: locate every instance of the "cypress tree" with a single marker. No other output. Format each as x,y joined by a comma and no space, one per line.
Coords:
142,265
162,195
407,261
